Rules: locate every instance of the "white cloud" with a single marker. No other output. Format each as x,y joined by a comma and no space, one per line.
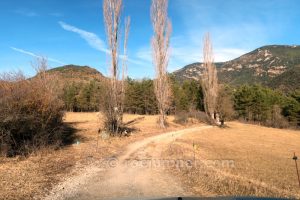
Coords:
35,55
91,38
144,54
94,41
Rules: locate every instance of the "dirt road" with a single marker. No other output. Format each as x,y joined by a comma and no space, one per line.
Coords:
139,173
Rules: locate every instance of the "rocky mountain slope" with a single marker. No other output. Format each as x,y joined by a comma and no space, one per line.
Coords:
192,71
274,65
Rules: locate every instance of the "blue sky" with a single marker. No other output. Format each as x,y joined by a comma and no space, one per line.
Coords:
72,31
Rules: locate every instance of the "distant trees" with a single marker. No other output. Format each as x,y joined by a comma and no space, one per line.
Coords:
82,97
209,79
291,110
112,103
266,106
140,97
253,103
69,97
160,50
187,96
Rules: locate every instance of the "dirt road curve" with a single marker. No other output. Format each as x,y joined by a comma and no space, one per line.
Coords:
136,174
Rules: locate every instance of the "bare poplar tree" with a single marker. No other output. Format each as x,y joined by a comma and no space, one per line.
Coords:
209,80
160,50
124,63
113,104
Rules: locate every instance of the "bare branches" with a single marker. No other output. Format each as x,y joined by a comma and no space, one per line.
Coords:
160,50
124,63
31,111
113,108
112,14
209,81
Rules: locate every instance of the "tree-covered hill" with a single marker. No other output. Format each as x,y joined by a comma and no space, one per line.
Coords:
77,73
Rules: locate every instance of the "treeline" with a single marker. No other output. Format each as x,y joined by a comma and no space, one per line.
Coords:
139,96
252,103
82,97
266,106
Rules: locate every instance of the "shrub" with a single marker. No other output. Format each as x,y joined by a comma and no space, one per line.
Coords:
225,103
183,117
277,119
111,108
31,112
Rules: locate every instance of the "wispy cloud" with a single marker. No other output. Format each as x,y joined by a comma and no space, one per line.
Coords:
94,41
91,38
26,12
144,54
36,56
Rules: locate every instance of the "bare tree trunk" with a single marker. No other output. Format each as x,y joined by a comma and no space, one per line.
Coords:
113,110
124,63
209,80
160,50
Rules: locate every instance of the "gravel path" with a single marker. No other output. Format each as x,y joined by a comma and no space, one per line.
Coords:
136,174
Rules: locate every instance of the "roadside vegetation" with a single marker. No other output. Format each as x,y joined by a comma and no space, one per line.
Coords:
31,112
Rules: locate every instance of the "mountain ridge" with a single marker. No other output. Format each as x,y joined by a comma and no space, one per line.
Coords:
275,66
261,66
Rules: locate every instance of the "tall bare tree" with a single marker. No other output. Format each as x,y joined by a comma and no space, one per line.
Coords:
209,80
113,104
124,63
160,50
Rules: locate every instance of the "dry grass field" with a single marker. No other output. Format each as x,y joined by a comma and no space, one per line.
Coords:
260,158
25,178
241,160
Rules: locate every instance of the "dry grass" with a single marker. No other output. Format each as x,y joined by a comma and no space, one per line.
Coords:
262,159
25,178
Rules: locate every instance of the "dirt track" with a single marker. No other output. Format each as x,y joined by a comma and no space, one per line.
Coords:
144,164
137,174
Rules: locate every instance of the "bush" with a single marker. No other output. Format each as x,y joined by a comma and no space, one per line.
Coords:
183,117
112,108
31,113
225,103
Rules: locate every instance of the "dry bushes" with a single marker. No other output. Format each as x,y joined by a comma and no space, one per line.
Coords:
112,114
184,117
31,112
